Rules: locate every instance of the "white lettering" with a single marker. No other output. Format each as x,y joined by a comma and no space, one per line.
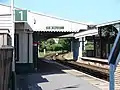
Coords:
21,15
55,27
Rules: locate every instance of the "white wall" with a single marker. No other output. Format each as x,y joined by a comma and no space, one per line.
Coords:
3,39
23,47
5,17
5,22
4,9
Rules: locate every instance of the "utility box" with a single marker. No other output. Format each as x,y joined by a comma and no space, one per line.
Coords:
5,38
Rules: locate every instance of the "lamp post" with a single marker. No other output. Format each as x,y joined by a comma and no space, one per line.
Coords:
12,31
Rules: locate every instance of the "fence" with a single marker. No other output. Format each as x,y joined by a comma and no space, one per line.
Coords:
6,54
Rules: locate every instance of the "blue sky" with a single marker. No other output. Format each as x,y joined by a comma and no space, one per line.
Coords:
96,11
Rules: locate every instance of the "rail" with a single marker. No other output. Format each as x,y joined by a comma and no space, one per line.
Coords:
101,63
93,66
105,61
6,54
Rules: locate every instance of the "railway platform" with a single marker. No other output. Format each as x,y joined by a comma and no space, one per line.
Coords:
54,76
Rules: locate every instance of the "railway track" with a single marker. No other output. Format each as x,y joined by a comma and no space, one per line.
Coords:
99,72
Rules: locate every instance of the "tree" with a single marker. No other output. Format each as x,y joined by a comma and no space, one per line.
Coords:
65,42
50,45
50,41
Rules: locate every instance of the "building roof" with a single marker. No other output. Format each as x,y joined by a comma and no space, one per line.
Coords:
43,21
108,23
86,33
51,16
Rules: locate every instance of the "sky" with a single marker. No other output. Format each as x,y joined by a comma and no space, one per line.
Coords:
92,11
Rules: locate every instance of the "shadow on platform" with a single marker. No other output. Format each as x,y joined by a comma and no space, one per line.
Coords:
47,67
30,80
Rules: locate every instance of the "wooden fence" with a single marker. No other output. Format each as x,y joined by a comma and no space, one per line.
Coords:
6,55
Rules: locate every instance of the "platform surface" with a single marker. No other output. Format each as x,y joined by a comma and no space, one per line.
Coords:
52,76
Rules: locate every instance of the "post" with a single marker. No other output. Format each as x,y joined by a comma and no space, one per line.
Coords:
12,31
44,51
71,45
12,36
114,60
44,48
111,77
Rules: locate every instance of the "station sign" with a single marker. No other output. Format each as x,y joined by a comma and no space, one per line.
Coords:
21,15
115,50
55,27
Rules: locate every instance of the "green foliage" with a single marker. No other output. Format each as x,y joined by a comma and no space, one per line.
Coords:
50,45
56,47
41,46
50,41
65,42
109,31
89,46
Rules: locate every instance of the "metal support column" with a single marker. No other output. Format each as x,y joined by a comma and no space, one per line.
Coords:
111,77
35,50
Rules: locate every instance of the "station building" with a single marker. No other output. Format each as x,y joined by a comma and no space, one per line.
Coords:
102,38
31,26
